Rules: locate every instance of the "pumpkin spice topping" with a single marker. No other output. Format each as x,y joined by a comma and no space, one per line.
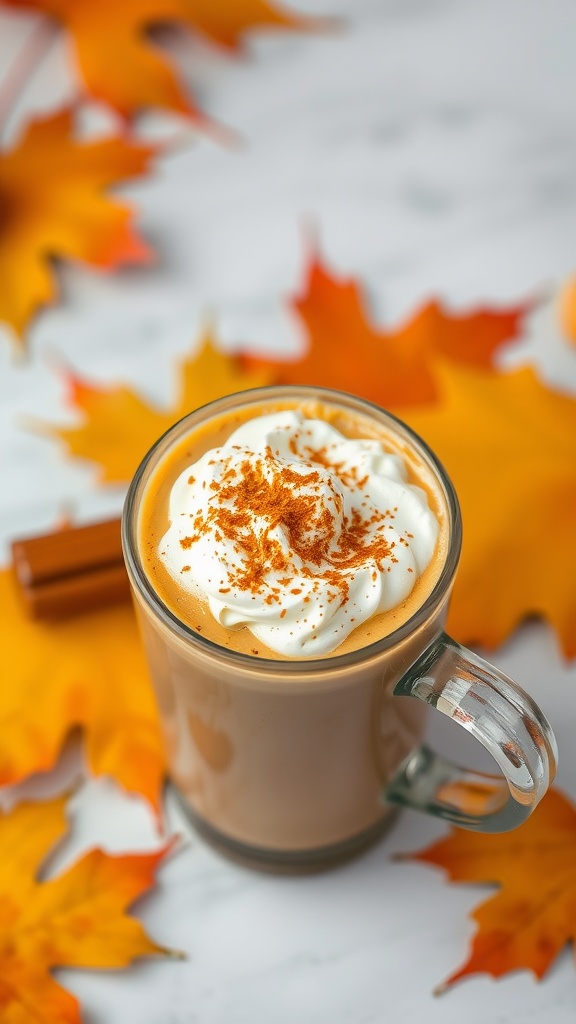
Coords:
294,525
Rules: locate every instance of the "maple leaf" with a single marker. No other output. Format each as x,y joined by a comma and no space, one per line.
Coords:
119,63
77,919
509,445
89,671
567,309
116,60
226,21
119,426
391,368
533,916
53,205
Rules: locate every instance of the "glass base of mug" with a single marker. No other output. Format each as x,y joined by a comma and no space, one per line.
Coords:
291,862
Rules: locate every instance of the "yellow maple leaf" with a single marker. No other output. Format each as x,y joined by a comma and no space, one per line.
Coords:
509,445
119,427
77,919
54,205
86,671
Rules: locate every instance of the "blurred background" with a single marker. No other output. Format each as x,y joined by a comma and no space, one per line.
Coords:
430,147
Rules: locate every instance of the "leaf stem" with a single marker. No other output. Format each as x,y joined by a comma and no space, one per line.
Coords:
23,67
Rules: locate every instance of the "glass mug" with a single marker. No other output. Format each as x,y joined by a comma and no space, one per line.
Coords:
300,763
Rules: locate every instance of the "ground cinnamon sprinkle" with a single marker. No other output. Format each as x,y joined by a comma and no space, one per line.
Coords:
256,497
349,476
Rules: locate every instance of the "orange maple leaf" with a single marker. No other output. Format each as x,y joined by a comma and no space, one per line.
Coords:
86,671
567,309
533,916
77,919
53,205
119,426
391,368
509,445
226,21
119,63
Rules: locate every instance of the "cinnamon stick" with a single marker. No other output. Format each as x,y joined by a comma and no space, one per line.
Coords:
71,571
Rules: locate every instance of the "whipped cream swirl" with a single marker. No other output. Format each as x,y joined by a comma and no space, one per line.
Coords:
297,532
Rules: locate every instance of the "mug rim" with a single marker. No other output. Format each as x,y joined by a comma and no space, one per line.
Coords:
327,663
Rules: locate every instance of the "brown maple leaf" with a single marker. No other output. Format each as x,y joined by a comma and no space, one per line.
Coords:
86,671
119,63
77,919
509,445
394,369
533,916
119,426
53,204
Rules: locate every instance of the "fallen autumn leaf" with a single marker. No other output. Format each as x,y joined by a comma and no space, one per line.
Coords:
86,671
121,66
62,212
77,919
533,916
509,444
393,368
118,427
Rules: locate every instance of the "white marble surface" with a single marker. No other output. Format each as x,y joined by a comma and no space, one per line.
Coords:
433,144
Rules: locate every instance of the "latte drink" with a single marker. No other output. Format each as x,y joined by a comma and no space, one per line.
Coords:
286,548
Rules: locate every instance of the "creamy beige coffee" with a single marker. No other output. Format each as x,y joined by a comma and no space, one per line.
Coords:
276,757
288,497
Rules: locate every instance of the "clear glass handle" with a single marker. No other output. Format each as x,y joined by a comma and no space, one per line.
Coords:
502,717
